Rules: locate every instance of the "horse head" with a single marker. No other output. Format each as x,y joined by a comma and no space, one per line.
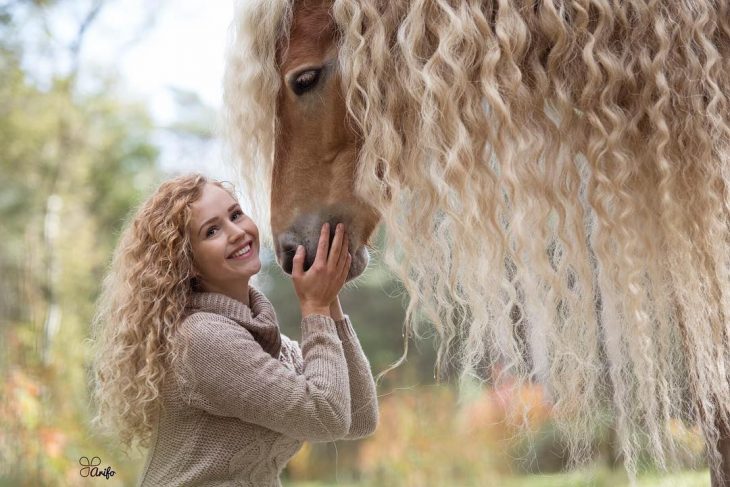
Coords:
315,146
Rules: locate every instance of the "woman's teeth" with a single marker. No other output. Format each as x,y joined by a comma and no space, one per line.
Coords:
243,251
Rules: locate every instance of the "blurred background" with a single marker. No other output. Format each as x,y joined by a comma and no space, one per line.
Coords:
100,101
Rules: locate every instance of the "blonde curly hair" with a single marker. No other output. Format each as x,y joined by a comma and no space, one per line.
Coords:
140,308
558,181
553,177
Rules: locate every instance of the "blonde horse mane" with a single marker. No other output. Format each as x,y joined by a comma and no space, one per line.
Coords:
552,177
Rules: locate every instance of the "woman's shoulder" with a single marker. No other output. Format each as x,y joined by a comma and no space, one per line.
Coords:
197,322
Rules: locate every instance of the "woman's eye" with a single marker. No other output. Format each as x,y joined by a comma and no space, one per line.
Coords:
210,232
305,81
236,215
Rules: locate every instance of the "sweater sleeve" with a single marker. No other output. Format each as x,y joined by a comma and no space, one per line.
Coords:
290,349
363,397
226,373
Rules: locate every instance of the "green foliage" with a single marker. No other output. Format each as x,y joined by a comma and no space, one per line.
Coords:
72,165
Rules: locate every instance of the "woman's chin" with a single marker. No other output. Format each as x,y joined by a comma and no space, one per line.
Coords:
248,268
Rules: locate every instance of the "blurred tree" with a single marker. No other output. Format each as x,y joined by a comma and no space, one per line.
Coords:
72,165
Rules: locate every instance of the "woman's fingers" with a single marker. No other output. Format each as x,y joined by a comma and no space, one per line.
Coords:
328,273
334,260
323,246
343,251
335,251
298,262
345,268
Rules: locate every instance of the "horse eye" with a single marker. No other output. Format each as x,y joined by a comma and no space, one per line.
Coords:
305,81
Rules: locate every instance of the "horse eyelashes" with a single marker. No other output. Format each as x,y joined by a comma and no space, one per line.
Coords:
305,81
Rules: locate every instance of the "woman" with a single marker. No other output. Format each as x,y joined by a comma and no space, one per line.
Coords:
189,359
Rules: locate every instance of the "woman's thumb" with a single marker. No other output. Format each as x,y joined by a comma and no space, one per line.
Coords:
298,261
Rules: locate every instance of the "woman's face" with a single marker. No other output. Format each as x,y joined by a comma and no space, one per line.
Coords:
225,243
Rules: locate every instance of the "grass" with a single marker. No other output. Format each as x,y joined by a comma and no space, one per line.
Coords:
588,478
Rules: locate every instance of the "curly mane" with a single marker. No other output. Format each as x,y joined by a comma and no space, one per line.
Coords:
553,181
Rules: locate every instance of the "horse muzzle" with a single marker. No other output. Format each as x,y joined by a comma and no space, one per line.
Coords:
306,231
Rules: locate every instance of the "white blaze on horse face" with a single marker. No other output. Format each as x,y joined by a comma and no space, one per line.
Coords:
315,153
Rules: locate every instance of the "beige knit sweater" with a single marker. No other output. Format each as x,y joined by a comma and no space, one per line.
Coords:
247,397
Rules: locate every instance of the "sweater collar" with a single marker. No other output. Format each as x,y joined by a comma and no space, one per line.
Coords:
258,318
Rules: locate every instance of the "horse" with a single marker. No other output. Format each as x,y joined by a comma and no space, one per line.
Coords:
551,175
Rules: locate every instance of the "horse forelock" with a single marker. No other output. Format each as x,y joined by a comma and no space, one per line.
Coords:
251,82
311,30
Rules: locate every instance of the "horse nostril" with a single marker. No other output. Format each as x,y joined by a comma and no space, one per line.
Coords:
308,258
287,261
287,264
303,234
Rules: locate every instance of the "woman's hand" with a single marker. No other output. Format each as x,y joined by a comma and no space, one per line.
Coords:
318,287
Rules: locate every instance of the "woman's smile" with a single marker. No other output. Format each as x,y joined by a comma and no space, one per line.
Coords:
243,251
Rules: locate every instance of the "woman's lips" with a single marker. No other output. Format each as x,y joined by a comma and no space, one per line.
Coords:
236,256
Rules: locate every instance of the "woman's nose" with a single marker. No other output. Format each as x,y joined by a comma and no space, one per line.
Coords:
235,233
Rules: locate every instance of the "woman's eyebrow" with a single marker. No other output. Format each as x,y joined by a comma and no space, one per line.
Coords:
209,220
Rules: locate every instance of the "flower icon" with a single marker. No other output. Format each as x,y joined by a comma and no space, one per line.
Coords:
84,461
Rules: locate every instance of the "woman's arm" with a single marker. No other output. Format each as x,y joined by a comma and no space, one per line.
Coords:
336,309
226,373
363,396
